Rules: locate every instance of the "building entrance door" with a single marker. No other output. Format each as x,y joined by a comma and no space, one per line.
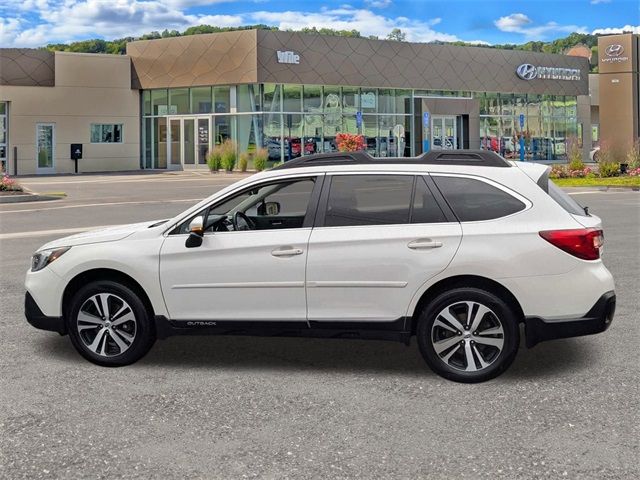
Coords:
189,142
444,134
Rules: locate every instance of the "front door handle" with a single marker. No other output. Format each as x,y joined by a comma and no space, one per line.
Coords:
286,252
424,243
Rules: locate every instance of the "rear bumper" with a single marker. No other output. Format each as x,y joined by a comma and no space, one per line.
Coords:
39,320
597,320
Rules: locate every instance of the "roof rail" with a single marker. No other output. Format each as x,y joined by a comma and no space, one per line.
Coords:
478,158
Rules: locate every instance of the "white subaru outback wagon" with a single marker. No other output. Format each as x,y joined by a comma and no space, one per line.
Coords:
457,248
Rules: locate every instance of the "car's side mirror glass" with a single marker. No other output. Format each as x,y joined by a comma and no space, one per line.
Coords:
197,226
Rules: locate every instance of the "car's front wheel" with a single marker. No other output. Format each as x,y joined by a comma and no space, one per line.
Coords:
468,335
109,324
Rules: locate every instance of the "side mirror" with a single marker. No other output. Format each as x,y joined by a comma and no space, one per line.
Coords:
196,233
271,208
197,226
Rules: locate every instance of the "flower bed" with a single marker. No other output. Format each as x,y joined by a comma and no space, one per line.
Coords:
9,185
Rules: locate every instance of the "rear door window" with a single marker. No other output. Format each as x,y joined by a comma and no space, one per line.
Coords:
473,200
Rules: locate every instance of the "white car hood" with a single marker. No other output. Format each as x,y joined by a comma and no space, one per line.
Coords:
107,234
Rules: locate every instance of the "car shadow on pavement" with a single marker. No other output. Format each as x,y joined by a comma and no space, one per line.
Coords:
330,355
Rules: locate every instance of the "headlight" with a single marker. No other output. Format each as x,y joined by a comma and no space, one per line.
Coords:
44,257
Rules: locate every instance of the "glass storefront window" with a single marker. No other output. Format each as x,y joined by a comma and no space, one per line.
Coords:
249,137
386,101
370,132
248,98
369,100
292,136
292,98
403,101
272,97
160,142
222,99
178,100
201,100
350,100
147,144
332,100
45,145
146,102
313,134
159,102
312,100
273,136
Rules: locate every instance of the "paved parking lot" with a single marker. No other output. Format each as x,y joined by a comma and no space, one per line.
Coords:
233,407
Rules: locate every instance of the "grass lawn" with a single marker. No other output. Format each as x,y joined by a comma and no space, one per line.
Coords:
598,182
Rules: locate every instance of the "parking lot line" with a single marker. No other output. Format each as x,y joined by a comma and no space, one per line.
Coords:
106,204
44,233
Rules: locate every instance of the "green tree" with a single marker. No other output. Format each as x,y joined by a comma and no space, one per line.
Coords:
398,35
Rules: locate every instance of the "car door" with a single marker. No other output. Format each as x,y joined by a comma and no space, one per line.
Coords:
244,274
377,239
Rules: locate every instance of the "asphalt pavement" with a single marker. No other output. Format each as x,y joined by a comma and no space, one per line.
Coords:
242,407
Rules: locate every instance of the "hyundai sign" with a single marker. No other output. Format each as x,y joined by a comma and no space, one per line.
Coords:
614,53
527,71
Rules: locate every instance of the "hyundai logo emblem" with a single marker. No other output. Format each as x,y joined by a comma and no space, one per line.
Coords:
614,50
526,71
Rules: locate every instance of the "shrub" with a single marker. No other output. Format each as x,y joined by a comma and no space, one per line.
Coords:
243,161
228,158
348,142
558,171
260,159
574,155
8,184
633,155
214,159
608,169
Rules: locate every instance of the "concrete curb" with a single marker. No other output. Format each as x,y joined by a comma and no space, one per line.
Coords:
28,197
620,188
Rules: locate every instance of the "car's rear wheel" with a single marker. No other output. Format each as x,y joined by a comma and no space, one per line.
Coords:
109,324
468,335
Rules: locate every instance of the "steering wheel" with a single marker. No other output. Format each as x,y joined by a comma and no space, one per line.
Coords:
248,223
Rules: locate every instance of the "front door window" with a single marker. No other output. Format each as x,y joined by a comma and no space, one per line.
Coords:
45,146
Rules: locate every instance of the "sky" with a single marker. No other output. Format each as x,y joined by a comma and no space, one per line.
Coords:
34,23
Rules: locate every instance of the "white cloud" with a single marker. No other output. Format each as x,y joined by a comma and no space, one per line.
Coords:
348,18
614,30
521,23
513,23
69,20
378,3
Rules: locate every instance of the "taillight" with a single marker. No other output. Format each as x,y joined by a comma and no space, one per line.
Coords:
583,243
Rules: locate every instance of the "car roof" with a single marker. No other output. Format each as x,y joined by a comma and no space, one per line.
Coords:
472,158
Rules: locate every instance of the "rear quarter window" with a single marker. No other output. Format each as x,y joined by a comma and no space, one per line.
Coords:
474,200
564,200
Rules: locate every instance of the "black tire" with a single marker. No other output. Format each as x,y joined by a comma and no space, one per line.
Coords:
453,368
596,157
141,328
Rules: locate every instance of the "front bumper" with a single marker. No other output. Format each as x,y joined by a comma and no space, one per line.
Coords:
596,320
39,320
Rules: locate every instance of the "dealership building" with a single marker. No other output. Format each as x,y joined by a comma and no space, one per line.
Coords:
168,102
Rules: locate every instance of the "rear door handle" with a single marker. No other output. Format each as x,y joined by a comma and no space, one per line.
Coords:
424,244
286,252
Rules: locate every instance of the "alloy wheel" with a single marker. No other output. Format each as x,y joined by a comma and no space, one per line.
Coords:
467,336
106,324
